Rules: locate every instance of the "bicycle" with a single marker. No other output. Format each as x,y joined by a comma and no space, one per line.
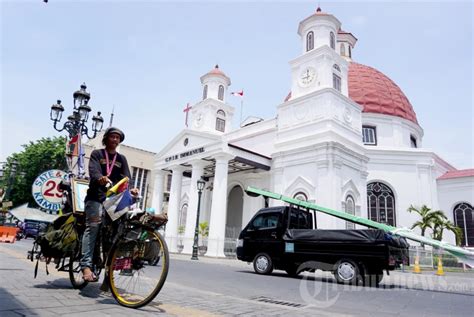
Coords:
123,249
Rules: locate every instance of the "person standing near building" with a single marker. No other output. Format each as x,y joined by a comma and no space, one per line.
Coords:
106,166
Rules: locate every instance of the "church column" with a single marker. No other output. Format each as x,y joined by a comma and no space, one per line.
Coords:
216,240
173,207
337,191
364,208
158,189
198,171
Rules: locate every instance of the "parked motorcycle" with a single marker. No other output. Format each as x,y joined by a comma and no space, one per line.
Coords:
20,234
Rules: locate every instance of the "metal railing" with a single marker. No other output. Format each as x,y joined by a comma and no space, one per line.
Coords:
428,258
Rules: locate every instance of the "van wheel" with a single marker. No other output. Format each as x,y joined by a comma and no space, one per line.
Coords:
262,264
347,272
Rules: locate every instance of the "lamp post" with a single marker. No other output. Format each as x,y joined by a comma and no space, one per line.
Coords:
76,122
200,187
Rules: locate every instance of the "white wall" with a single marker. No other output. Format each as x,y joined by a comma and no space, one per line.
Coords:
393,131
452,192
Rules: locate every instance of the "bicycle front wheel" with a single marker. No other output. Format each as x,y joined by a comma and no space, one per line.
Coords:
132,282
75,271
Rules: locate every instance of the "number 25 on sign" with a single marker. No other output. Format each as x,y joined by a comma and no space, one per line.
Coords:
45,189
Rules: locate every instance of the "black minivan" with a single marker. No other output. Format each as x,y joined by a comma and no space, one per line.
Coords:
286,238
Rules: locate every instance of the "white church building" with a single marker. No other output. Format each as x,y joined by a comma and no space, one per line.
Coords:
346,137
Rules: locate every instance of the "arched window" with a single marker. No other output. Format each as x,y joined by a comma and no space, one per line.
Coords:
350,51
336,82
343,50
220,120
381,203
204,92
183,212
301,196
309,41
332,40
463,218
304,197
413,142
220,95
336,67
350,209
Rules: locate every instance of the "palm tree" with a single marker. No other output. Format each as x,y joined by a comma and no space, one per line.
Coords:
428,217
444,224
204,229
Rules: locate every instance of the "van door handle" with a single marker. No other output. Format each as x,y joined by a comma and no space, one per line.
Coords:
273,235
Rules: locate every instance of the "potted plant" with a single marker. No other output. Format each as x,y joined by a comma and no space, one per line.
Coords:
181,230
203,232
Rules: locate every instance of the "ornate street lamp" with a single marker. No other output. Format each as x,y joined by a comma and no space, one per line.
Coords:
200,187
76,122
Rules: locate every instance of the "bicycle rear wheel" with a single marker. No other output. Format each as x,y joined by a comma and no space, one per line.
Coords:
133,283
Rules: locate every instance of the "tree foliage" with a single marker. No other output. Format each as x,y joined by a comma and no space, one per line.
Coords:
204,229
435,220
428,217
444,224
36,157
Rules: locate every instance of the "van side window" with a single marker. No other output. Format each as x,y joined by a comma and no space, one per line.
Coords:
300,219
267,220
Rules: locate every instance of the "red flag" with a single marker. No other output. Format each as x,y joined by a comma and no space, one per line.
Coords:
238,93
73,146
123,187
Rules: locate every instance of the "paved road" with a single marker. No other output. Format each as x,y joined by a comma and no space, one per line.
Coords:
226,287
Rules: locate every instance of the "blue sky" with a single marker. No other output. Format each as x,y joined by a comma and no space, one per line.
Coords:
146,57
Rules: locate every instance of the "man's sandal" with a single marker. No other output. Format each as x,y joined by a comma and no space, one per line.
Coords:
90,277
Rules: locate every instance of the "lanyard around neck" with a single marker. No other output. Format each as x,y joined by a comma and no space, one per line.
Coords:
109,167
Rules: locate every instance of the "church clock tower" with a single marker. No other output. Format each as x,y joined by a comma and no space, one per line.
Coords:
320,65
212,113
319,135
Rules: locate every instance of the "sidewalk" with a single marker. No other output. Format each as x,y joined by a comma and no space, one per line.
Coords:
52,295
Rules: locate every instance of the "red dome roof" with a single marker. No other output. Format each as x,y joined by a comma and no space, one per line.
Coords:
377,93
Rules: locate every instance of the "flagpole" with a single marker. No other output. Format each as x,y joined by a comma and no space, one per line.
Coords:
112,116
241,110
241,95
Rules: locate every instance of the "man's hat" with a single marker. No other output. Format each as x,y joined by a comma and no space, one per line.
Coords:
114,130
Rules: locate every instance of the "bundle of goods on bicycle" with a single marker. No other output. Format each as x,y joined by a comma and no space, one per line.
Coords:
156,219
58,241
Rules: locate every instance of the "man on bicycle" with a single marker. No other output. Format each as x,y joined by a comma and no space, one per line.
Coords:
106,167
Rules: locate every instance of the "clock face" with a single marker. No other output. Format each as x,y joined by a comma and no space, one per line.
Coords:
308,75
